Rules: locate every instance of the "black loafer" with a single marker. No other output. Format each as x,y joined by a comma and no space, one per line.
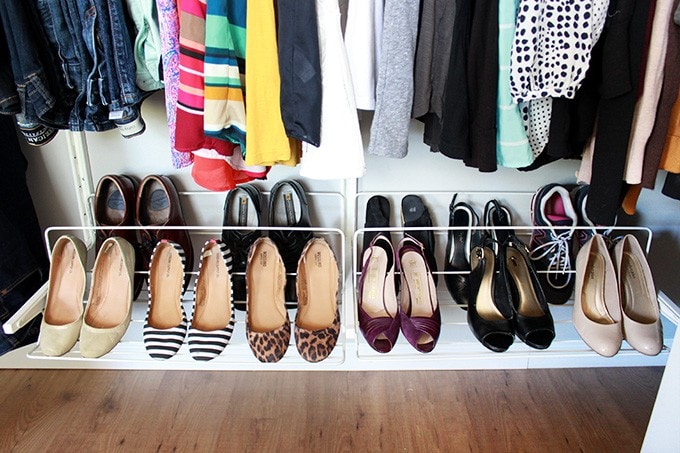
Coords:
288,208
458,247
242,207
415,214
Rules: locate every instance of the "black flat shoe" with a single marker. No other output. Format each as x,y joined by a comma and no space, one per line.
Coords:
288,208
242,207
532,321
458,247
377,215
489,306
415,214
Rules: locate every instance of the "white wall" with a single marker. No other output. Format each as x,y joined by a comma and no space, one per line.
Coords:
421,171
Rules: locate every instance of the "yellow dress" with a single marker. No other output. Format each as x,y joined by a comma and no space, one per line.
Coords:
266,142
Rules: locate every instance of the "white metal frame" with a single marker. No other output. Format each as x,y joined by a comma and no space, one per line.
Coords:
457,349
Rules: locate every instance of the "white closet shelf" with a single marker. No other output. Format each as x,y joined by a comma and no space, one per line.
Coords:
457,347
344,211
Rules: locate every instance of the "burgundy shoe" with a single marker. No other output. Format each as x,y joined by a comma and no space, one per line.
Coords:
377,296
114,202
158,206
420,315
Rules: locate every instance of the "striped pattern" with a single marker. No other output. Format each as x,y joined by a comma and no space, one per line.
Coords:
190,95
192,54
168,24
206,345
225,51
164,343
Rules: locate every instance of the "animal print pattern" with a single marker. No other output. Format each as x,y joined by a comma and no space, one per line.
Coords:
270,346
316,345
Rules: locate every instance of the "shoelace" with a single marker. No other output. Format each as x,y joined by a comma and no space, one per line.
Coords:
558,250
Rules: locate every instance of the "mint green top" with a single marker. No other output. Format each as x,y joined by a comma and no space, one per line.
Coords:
512,146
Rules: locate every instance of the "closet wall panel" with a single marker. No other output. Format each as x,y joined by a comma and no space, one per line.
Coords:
52,187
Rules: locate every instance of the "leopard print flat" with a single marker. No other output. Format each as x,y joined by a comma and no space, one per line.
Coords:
317,323
267,321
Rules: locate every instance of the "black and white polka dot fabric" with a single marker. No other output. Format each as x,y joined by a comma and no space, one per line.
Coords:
551,47
536,116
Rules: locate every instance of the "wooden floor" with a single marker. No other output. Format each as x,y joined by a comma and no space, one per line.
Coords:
536,410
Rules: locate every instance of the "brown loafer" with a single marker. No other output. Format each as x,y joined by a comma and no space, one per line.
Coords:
114,206
158,206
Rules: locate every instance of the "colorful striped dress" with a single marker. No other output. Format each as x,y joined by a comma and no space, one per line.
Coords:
225,51
189,136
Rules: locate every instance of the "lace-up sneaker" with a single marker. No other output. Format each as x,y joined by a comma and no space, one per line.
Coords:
579,198
553,214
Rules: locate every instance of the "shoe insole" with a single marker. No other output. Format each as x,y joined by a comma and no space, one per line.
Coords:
317,304
114,208
554,208
213,292
265,280
157,209
413,211
110,293
635,296
418,284
244,213
377,300
486,308
67,284
528,304
286,208
166,278
377,212
593,298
